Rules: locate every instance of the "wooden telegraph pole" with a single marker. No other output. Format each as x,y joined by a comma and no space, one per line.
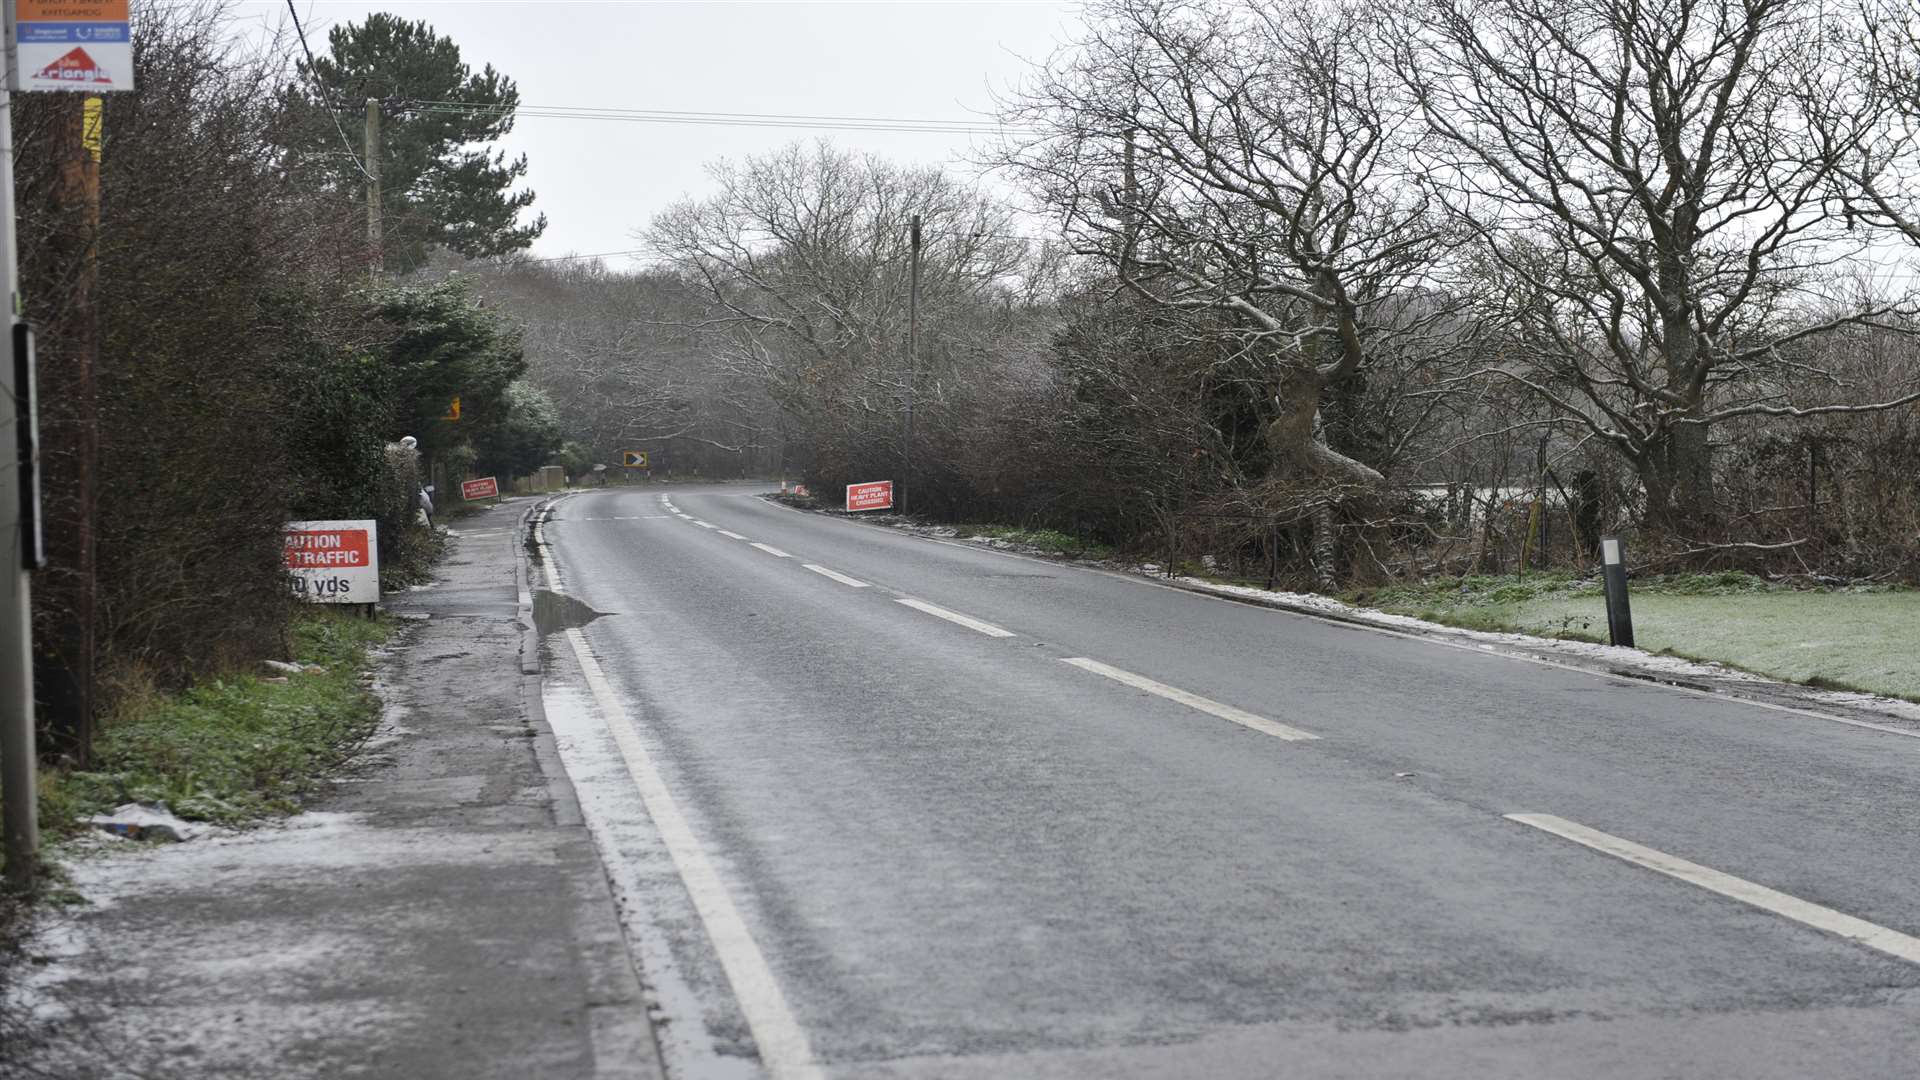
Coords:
913,356
371,151
68,682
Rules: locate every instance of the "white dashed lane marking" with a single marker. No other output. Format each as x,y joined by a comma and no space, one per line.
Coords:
836,576
1192,701
955,617
1873,936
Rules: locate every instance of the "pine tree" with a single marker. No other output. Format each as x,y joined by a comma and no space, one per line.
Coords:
442,186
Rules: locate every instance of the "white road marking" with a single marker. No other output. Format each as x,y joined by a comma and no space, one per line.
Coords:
1891,942
773,551
784,1048
967,621
733,535
835,575
1192,701
700,523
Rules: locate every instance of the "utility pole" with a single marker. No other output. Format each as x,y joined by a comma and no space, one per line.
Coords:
18,758
371,151
913,351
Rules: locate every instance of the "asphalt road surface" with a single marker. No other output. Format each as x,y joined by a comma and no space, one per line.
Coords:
885,806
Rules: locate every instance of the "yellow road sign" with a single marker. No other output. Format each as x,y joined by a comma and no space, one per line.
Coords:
633,459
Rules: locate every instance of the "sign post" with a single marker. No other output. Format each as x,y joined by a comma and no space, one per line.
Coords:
877,495
334,562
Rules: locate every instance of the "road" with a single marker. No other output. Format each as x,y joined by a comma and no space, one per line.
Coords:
884,806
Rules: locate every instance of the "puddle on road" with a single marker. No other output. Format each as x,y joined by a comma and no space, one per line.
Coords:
553,612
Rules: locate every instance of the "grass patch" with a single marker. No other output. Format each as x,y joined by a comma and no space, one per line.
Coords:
233,749
1852,638
1051,541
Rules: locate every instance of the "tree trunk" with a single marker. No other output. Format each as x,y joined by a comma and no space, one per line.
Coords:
1677,472
1326,547
1293,438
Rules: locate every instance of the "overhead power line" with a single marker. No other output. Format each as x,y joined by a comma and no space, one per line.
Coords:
571,258
722,119
312,74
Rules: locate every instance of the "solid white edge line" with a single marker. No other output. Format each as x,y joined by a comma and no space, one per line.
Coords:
967,621
1873,936
1193,701
835,575
731,535
784,1048
773,551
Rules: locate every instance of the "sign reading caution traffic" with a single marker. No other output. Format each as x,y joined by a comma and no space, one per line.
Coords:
334,562
72,45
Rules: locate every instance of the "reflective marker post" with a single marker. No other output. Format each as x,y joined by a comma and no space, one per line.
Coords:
1613,557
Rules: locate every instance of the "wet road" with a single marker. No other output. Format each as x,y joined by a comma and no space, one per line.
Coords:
882,806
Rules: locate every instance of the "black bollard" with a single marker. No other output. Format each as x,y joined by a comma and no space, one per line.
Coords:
1613,558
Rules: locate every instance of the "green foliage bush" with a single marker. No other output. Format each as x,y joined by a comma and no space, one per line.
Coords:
237,747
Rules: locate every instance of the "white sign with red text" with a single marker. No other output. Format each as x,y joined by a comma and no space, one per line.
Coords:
877,495
334,562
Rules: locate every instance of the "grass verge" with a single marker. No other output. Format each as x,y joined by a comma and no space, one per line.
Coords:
1850,638
1049,541
234,749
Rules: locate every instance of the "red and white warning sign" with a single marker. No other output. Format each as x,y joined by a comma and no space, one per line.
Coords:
486,487
334,562
877,495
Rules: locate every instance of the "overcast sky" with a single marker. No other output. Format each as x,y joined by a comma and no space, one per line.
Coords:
599,181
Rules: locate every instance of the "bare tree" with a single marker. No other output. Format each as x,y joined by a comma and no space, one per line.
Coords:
1872,122
610,348
1653,207
1249,158
802,261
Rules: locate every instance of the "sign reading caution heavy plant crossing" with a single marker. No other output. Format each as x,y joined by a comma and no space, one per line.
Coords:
877,495
72,45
